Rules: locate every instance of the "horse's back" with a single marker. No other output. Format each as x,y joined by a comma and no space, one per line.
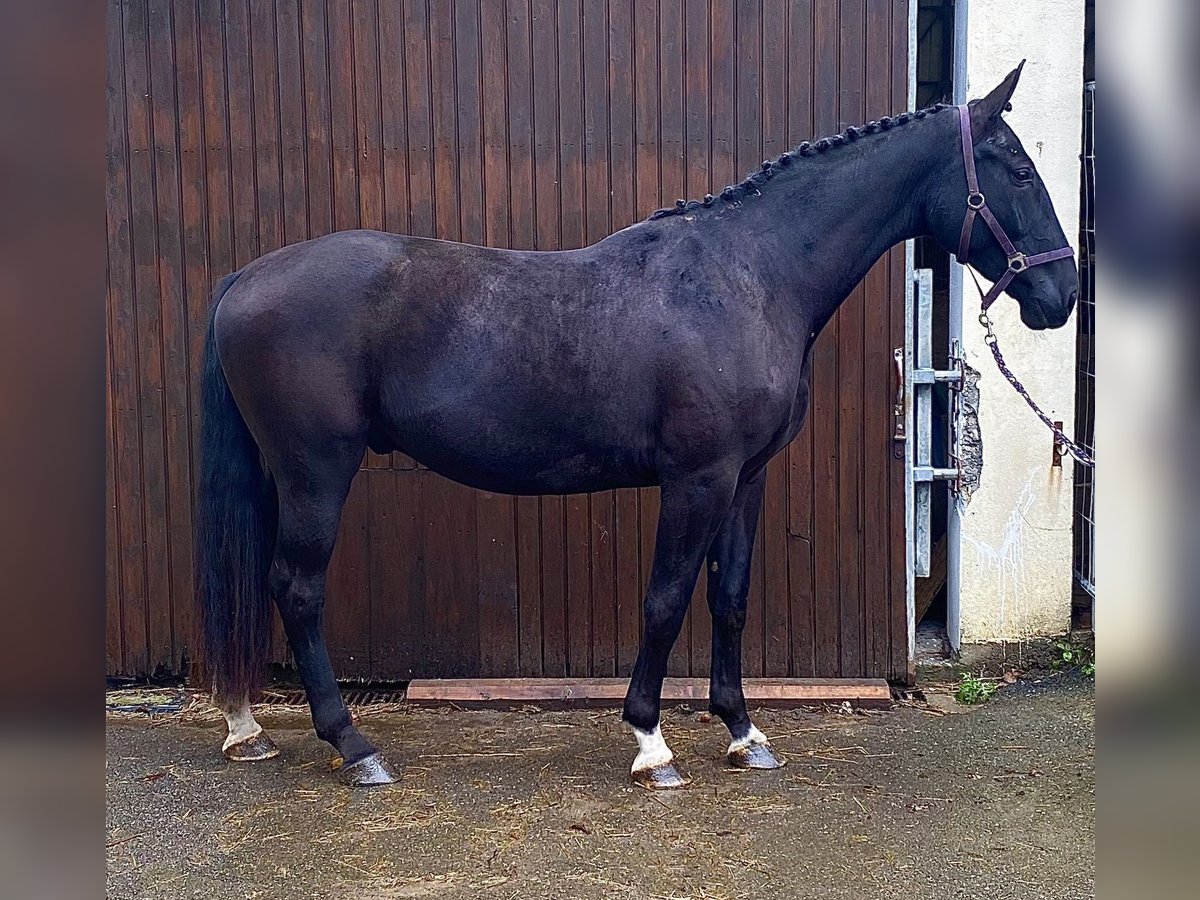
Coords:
468,358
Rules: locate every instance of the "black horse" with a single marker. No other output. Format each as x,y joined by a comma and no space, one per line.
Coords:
672,353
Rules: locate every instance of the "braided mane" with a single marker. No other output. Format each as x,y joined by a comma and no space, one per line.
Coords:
749,186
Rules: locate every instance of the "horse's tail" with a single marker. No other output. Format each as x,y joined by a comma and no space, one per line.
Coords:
235,525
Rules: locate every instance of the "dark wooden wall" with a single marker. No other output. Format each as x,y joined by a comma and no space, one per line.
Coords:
235,127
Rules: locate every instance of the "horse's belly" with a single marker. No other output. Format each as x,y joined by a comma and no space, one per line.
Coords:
518,461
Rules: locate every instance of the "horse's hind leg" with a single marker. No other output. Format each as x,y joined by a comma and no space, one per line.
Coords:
310,504
246,741
728,583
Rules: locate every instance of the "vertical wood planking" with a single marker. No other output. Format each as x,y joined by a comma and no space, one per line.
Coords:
748,150
877,376
195,299
671,105
154,602
399,636
723,166
317,118
348,592
243,169
193,179
469,168
368,119
343,118
214,105
773,536
166,637
548,236
628,588
293,158
368,129
393,133
597,223
444,87
113,636
673,181
264,73
570,197
850,375
420,120
900,662
123,523
724,83
484,188
394,117
647,196
291,122
823,410
800,451
518,146
349,597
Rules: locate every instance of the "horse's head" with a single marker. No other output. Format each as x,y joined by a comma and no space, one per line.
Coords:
1014,193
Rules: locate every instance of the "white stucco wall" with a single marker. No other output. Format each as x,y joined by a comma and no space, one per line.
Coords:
1016,546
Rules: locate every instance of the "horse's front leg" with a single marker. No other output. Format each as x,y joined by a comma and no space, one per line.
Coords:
692,509
728,584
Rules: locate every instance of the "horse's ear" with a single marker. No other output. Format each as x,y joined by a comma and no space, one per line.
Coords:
985,113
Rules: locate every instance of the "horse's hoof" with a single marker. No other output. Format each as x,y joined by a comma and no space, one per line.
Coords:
755,755
663,777
369,771
252,749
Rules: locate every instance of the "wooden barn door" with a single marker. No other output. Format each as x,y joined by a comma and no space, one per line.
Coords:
236,127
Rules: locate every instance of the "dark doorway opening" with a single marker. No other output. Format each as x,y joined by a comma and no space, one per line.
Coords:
935,83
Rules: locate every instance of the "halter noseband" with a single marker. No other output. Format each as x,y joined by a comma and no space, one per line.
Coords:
1018,262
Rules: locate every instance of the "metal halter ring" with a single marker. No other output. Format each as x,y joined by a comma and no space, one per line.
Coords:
975,200
1018,263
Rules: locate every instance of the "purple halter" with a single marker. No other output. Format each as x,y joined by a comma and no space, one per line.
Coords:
1018,262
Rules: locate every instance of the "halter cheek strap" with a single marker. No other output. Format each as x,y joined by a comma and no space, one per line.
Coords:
1018,262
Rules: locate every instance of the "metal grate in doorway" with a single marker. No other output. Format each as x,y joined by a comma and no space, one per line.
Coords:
1085,356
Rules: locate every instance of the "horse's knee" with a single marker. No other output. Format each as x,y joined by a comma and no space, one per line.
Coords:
663,618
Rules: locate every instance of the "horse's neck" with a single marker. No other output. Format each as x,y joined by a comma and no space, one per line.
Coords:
824,228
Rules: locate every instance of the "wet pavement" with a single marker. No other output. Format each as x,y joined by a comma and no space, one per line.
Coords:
922,801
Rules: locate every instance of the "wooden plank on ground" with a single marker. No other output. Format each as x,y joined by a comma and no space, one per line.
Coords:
601,692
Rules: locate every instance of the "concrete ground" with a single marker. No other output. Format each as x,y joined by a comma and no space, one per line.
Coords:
923,801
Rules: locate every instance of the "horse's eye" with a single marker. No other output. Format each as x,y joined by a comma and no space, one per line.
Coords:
1023,176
